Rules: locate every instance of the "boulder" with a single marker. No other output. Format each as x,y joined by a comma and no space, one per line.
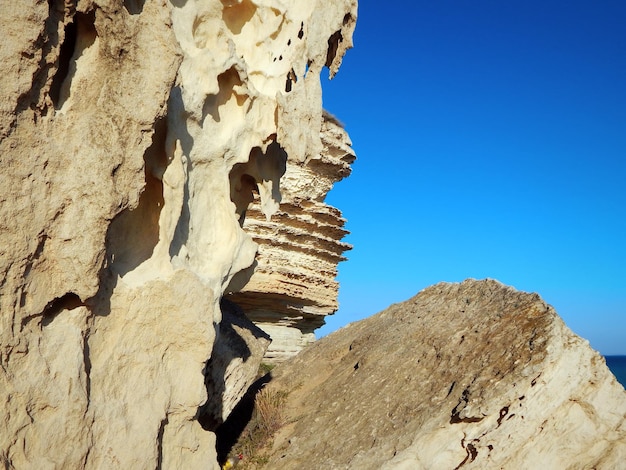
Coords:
469,375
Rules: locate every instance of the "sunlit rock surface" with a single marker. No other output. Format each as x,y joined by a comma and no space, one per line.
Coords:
471,375
132,134
293,287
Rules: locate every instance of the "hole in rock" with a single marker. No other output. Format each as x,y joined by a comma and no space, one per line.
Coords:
134,7
301,32
236,15
65,56
242,193
80,34
227,82
245,177
333,45
134,233
69,301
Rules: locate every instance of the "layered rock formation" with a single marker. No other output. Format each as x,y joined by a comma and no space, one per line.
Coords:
470,375
293,286
132,135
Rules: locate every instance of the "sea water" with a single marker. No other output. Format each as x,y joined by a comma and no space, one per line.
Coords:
617,364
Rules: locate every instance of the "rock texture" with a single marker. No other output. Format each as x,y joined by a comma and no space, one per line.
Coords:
132,134
293,286
234,364
470,375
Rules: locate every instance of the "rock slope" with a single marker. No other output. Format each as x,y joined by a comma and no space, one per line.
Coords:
132,134
293,286
470,375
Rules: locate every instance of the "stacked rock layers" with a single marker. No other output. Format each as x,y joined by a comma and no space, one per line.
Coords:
293,287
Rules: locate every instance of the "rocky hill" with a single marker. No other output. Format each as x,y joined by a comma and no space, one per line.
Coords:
471,375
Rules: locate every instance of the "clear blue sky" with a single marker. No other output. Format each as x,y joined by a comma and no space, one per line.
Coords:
491,142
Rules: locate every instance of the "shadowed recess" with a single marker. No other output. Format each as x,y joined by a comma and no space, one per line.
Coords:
134,7
80,34
134,233
236,15
227,82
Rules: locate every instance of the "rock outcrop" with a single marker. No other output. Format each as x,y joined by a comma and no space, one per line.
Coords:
132,135
470,375
293,286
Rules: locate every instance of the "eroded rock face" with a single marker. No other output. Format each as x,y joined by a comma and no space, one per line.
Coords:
470,375
121,125
293,286
234,364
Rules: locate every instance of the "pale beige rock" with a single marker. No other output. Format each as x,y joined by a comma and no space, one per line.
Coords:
471,375
120,125
72,147
237,352
293,286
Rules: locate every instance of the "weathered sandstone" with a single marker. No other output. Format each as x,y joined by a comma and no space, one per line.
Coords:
132,135
293,286
234,363
470,375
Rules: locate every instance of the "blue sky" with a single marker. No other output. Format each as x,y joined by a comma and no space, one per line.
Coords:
491,142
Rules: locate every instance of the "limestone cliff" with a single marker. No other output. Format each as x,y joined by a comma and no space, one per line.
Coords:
471,375
132,135
293,286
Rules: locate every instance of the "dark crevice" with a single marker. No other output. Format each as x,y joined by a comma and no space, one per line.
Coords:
229,432
229,346
53,308
333,46
472,453
534,381
134,233
291,78
134,7
301,32
503,413
181,232
66,53
80,34
164,422
69,301
87,361
455,416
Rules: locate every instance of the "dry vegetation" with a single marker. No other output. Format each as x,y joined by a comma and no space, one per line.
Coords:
267,418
